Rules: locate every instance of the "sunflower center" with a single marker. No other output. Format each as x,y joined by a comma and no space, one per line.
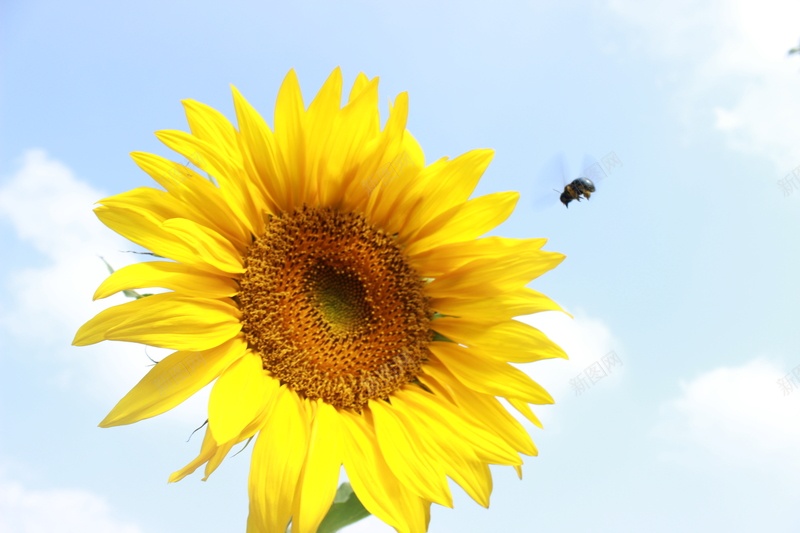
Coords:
333,308
339,296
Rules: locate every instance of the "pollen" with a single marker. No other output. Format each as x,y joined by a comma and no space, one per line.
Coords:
333,308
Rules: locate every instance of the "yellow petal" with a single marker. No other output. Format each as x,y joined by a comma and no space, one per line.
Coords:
276,463
206,243
501,421
173,380
319,477
481,407
415,404
147,232
510,340
385,148
290,138
447,184
526,411
216,459
228,172
458,460
359,85
211,453
358,143
488,277
175,276
238,397
377,155
165,320
496,378
322,137
437,261
357,127
390,200
395,186
259,153
207,450
374,483
496,309
406,456
210,125
152,203
486,446
464,222
203,202
246,434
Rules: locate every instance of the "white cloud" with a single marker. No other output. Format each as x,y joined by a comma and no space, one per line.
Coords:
739,414
25,510
763,120
733,69
725,119
51,210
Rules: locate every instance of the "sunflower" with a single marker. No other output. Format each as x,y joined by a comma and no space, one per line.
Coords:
336,288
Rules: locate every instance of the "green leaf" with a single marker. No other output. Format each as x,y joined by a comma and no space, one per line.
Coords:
346,509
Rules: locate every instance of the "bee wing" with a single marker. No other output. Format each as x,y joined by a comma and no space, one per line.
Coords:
550,182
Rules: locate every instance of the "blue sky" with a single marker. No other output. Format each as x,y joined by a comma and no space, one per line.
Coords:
684,263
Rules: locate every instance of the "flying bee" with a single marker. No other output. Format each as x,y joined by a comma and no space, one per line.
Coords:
569,188
577,188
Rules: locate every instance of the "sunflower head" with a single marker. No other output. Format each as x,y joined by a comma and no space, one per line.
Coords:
333,308
337,290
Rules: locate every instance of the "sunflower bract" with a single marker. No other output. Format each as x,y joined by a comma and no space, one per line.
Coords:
337,291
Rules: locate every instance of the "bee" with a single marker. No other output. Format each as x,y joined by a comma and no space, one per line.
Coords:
555,174
577,188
